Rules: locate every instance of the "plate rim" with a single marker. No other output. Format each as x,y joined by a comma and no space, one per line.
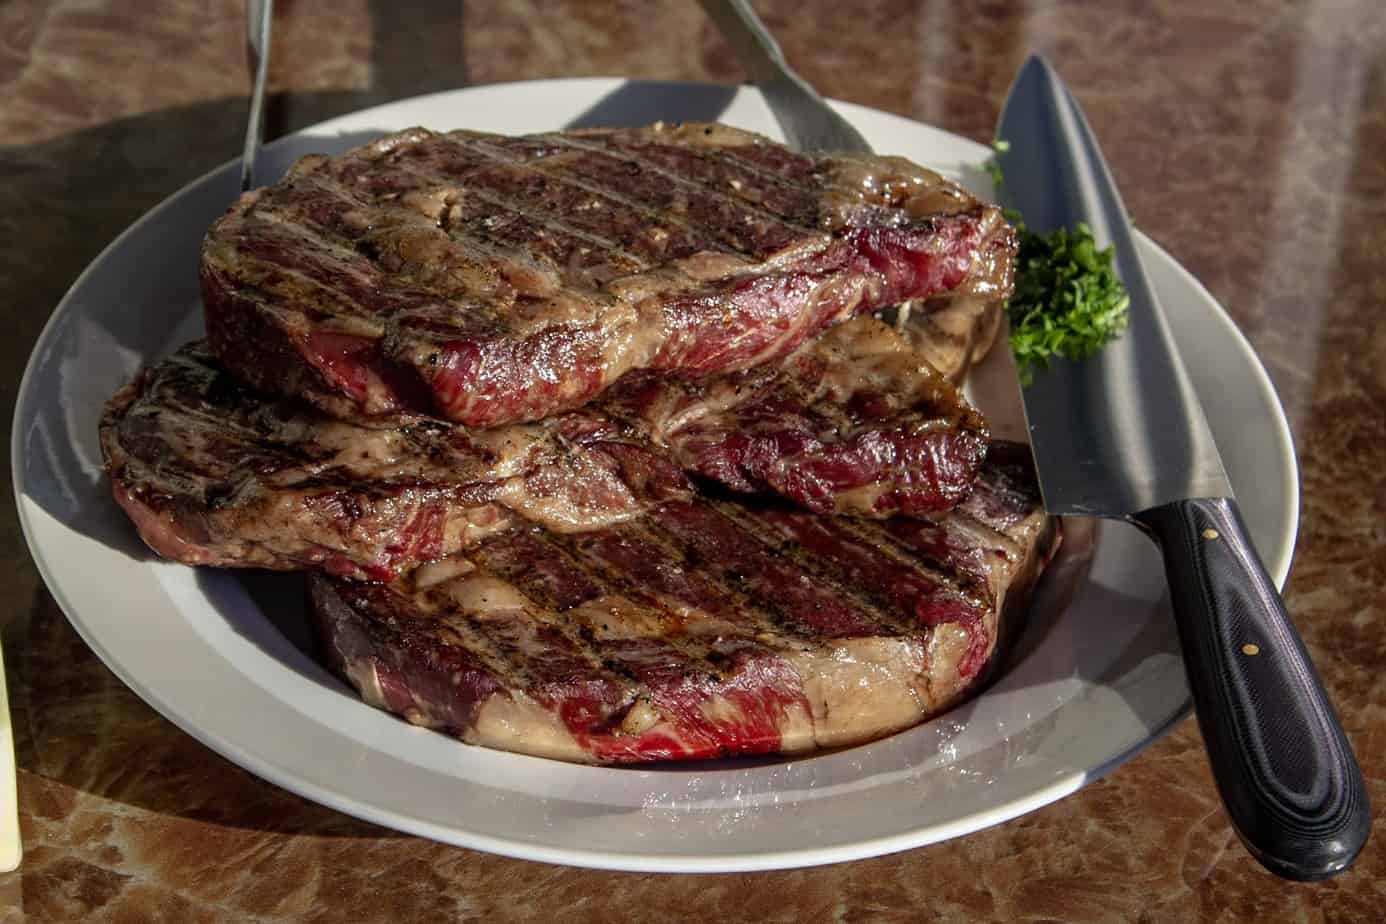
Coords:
610,859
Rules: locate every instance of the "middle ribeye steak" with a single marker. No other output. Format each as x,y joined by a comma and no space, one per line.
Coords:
854,422
704,628
214,473
486,279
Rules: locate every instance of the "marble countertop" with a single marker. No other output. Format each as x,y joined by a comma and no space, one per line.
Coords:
1247,137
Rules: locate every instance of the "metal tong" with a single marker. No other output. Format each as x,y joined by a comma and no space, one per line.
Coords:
258,17
808,123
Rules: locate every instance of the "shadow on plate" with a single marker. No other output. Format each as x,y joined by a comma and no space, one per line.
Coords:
641,102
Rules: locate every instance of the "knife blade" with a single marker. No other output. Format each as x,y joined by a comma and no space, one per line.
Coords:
1122,435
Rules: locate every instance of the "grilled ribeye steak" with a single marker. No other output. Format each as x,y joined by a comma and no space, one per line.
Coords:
955,334
213,473
707,627
854,422
486,279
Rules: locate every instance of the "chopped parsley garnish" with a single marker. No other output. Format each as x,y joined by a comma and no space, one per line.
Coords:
1068,300
1001,146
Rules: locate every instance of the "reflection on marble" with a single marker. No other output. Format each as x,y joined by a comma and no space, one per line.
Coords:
1247,139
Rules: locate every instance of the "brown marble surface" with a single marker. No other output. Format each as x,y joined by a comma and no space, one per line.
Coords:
1248,139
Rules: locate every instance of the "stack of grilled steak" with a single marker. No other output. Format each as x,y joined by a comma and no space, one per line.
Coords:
591,442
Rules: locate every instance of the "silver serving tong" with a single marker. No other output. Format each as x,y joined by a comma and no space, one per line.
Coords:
258,17
808,123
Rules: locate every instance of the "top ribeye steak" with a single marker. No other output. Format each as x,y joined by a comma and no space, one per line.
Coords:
486,279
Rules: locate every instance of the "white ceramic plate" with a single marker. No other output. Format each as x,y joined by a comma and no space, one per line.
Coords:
222,654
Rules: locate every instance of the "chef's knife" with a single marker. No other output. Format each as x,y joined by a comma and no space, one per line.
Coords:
1121,435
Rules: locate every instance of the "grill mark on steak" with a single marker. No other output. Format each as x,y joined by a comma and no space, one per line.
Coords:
858,564
303,228
915,592
752,182
784,164
606,563
747,226
633,558
948,545
548,576
456,678
277,259
624,638
874,188
638,216
519,223
514,645
739,558
613,676
684,151
679,574
472,268
444,170
483,293
556,575
571,222
512,640
713,187
617,597
545,584
347,288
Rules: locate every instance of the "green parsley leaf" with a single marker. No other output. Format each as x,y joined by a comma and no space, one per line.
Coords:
993,168
1068,300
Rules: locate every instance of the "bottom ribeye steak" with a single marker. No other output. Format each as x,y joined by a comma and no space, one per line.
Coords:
707,627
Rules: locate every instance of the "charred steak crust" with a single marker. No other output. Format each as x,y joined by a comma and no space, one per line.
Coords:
707,627
855,422
215,474
486,279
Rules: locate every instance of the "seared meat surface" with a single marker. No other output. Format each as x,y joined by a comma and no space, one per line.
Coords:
706,627
215,474
854,422
485,279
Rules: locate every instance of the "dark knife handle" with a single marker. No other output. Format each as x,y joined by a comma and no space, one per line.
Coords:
1285,769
